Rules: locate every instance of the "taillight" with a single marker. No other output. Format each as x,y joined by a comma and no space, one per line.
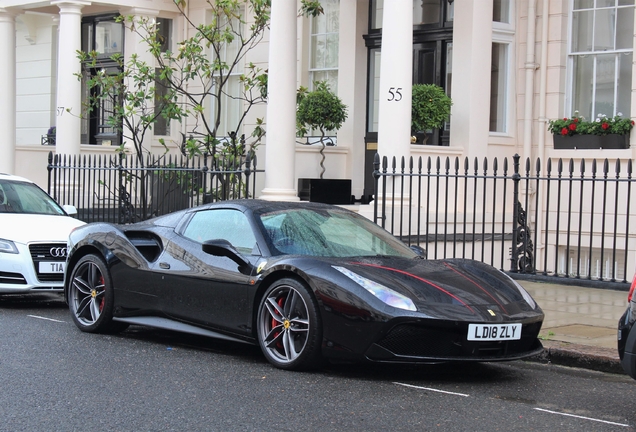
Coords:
631,289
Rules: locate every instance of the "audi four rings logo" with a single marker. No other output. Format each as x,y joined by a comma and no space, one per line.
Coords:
58,252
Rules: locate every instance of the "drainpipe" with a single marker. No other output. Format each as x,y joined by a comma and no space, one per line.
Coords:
542,119
530,67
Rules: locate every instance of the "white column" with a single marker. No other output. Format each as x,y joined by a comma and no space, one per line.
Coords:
7,84
396,80
472,42
69,88
352,63
281,105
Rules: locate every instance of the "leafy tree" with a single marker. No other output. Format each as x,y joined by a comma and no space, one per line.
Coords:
197,75
319,109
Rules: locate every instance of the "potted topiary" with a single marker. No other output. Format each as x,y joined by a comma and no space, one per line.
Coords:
49,139
322,110
430,108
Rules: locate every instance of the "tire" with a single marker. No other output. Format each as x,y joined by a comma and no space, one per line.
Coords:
289,326
91,297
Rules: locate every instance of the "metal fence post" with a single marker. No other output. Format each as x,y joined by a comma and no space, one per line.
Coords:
247,171
120,172
516,178
376,182
49,168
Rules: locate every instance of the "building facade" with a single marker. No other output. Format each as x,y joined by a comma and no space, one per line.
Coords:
509,66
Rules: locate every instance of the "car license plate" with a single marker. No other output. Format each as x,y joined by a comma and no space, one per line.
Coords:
52,267
494,332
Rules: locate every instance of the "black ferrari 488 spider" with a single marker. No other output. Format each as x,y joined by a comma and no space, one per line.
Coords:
304,281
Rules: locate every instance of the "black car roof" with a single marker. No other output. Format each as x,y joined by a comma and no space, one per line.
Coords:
252,205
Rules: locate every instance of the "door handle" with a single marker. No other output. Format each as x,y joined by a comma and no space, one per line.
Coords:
164,265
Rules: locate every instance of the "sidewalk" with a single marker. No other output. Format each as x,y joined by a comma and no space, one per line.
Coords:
580,326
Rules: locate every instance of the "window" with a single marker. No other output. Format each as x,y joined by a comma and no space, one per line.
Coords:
498,87
102,34
105,36
375,55
164,31
324,48
501,11
224,224
230,101
424,12
501,106
601,55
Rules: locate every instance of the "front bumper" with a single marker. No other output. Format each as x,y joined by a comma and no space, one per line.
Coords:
447,341
20,273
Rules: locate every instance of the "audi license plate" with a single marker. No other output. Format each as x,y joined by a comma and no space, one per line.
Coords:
494,332
52,267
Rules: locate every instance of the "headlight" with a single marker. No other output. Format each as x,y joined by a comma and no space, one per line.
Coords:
7,246
523,291
387,295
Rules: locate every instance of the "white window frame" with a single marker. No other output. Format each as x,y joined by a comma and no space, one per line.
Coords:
312,37
569,108
169,128
504,33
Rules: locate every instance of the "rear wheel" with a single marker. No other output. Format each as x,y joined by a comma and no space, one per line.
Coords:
91,297
289,327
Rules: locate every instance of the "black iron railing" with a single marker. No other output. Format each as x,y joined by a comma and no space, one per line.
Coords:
122,188
570,220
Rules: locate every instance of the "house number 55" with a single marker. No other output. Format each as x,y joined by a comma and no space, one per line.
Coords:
395,94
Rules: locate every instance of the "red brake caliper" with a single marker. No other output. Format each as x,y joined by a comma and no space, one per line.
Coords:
279,344
101,302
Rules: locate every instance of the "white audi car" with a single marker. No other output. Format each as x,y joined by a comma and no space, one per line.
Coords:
34,231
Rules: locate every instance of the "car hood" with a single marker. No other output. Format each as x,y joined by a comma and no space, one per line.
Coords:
466,283
25,228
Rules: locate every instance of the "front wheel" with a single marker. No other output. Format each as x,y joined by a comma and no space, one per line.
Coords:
289,326
91,297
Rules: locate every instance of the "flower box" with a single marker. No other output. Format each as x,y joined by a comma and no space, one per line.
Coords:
591,142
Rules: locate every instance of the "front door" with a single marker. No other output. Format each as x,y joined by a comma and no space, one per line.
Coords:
432,64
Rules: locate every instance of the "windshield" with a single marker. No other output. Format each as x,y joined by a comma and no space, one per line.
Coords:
330,233
21,197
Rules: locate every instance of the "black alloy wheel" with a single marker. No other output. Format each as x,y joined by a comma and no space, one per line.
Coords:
91,297
289,326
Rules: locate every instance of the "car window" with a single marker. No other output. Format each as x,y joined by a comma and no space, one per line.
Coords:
21,197
329,233
224,224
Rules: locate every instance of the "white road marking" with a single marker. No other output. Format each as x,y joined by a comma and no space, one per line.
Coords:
581,417
432,389
44,318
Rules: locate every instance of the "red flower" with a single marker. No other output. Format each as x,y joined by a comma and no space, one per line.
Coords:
604,126
576,120
564,119
632,122
564,131
572,126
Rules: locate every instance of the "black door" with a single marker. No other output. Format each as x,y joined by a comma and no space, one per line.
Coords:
432,60
202,289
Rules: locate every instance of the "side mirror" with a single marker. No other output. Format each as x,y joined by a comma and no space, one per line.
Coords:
418,250
224,248
70,210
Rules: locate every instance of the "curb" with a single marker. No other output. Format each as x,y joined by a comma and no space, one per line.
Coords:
580,356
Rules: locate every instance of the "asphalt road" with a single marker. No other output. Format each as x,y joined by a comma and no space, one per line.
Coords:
54,377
